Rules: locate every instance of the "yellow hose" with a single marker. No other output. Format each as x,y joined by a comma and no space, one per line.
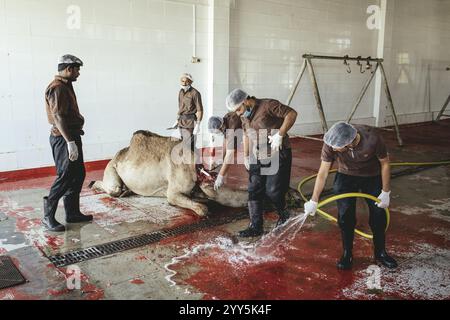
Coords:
360,195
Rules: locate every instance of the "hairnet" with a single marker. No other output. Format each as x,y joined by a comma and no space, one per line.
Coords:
235,99
187,76
340,135
214,123
70,59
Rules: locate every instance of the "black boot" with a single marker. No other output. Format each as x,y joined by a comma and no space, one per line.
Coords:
380,253
255,228
284,215
49,221
346,260
72,207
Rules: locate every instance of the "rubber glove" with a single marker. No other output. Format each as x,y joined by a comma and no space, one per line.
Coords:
276,142
247,163
196,128
73,151
310,207
385,199
219,182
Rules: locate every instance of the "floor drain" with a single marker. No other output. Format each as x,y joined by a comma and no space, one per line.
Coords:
76,256
10,276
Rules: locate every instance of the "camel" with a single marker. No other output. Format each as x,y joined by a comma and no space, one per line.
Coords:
157,166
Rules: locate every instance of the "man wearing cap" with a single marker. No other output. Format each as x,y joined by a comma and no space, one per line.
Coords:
65,140
190,112
231,127
266,123
363,165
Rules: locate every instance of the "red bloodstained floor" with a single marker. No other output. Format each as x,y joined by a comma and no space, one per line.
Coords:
305,268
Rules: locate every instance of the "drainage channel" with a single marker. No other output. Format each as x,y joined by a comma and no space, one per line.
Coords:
76,256
106,249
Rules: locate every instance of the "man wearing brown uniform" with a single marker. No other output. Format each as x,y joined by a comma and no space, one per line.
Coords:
363,165
65,139
190,112
266,144
231,127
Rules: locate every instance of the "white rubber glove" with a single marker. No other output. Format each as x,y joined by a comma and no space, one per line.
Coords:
276,141
385,200
219,182
73,151
247,163
196,128
310,207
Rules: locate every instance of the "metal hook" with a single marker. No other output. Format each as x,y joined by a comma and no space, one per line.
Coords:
369,65
349,70
358,63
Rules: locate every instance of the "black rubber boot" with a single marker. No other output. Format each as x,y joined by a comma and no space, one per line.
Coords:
284,215
380,253
72,207
346,261
49,221
255,228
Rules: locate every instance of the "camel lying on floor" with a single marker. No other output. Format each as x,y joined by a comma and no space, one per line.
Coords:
151,166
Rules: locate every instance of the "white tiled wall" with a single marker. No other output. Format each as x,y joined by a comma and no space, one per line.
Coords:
134,51
269,37
418,56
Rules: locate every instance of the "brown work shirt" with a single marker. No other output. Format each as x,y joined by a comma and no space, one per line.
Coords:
231,121
362,160
190,102
60,99
266,114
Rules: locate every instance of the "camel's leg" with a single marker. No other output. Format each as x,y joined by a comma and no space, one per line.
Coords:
112,183
226,196
181,200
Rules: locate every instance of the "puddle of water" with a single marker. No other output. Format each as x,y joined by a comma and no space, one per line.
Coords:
243,253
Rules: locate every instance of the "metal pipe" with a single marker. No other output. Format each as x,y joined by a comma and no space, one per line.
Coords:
441,113
317,95
297,82
305,137
361,95
194,30
391,105
313,56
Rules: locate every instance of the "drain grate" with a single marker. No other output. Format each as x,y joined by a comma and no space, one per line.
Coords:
72,257
10,276
76,256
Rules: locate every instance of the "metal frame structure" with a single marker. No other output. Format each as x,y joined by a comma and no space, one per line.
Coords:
441,113
307,63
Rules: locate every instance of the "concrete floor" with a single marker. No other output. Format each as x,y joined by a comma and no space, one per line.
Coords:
212,264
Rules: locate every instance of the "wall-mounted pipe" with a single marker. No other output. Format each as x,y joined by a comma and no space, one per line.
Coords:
194,30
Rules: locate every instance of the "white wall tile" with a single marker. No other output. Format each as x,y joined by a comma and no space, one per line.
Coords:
419,34
8,161
134,52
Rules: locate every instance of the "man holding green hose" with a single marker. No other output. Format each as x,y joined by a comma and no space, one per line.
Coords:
363,166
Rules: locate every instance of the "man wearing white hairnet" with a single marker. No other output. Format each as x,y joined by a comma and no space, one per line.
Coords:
266,123
363,166
231,128
65,139
190,111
